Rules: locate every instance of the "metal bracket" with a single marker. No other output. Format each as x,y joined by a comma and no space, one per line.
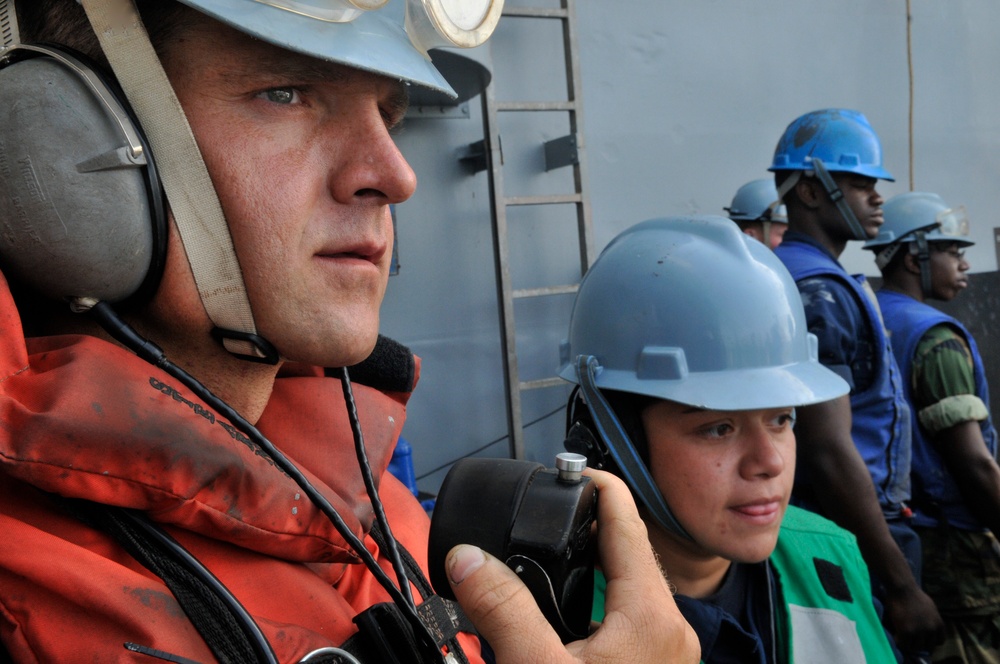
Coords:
561,152
474,158
442,112
996,241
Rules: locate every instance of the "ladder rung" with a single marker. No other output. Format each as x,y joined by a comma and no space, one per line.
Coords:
534,12
543,200
545,290
536,106
543,382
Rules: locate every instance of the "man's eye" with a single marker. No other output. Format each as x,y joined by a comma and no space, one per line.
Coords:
280,95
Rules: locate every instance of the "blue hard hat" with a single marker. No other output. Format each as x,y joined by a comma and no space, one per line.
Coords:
914,211
757,200
692,310
843,139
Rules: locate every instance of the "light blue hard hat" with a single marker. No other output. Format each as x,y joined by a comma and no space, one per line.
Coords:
915,220
843,139
385,38
914,211
757,200
692,310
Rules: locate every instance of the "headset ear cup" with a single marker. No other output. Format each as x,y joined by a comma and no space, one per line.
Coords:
581,440
81,214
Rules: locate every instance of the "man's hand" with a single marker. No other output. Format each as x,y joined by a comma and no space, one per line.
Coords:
642,623
913,620
844,489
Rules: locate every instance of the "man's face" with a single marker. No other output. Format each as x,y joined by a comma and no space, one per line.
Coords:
301,156
863,199
726,475
777,234
948,267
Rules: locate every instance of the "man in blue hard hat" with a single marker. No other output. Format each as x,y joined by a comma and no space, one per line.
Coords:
195,199
855,450
758,212
920,251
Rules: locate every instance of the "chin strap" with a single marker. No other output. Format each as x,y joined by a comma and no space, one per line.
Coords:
193,200
921,249
611,432
837,196
918,247
833,191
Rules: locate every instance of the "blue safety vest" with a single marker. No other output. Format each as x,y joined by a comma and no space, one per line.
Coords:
880,414
936,496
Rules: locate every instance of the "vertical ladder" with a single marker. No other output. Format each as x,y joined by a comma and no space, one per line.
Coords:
566,151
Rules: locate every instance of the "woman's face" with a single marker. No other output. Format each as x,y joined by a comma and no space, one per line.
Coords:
726,475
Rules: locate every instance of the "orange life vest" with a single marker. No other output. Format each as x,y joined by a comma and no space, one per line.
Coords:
83,418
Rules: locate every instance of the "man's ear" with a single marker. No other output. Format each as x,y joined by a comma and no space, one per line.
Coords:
910,262
808,191
755,231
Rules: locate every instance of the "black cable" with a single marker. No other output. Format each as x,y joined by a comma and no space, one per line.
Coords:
255,637
147,350
489,444
366,474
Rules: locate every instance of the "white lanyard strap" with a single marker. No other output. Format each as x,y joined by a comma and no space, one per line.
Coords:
193,200
9,34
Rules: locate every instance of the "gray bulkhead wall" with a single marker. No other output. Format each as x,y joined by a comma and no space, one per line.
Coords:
683,103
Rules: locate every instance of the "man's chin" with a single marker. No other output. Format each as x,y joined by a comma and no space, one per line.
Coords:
340,352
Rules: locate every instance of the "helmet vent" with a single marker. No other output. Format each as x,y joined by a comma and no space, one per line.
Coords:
662,363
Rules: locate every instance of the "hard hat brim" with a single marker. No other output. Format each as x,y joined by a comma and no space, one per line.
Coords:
372,42
799,384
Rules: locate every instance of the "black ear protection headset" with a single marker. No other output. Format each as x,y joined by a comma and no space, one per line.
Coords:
82,212
582,435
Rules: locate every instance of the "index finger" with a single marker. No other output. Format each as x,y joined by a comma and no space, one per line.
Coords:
641,617
623,541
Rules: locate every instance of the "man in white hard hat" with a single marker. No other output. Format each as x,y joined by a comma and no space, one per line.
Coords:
206,184
920,251
758,212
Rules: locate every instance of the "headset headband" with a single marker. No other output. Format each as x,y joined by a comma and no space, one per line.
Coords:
193,201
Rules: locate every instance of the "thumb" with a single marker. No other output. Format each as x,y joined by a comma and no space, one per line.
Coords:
501,607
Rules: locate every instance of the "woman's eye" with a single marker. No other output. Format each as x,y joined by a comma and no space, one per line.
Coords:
785,419
280,95
717,430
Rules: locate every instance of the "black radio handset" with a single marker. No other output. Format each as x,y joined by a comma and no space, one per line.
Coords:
537,520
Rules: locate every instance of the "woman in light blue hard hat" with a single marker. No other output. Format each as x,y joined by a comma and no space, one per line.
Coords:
687,388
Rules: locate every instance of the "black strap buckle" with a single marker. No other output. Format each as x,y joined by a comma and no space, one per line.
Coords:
268,353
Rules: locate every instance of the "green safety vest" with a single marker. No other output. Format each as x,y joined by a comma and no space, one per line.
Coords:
825,610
